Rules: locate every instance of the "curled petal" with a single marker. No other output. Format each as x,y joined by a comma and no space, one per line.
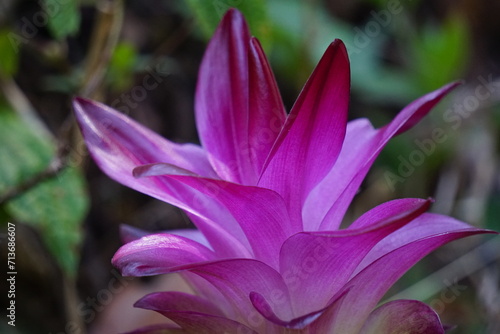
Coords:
262,306
129,233
160,254
165,302
237,279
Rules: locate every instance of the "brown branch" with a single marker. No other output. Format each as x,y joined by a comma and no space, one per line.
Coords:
52,170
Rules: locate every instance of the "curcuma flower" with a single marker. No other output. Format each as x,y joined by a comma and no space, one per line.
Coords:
267,192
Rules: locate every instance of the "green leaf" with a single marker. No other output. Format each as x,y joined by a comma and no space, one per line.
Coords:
55,206
64,17
122,65
445,48
209,14
8,54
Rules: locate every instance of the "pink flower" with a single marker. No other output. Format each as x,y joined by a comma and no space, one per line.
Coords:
267,192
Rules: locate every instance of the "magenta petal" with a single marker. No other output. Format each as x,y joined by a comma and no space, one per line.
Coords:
237,279
199,323
368,287
267,113
325,321
263,307
120,145
389,211
361,147
238,108
403,316
313,134
316,266
159,329
159,254
426,225
163,302
260,212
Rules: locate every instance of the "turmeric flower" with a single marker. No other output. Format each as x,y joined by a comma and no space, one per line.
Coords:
267,192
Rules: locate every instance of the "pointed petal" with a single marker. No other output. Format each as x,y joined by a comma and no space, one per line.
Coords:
199,323
159,254
389,210
239,111
361,147
312,137
403,316
267,113
426,225
114,139
260,212
316,266
159,329
164,302
372,283
118,145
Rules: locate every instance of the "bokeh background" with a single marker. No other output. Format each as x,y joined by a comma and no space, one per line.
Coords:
142,58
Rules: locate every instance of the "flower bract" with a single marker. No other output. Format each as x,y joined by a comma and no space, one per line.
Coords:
267,191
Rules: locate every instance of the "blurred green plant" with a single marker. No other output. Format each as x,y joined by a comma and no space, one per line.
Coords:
63,17
122,66
9,61
209,13
55,206
444,47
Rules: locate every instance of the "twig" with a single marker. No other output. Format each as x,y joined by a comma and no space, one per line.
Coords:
52,170
103,42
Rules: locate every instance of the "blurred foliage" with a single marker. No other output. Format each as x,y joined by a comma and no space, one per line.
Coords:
444,47
121,67
55,206
8,56
63,17
209,14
